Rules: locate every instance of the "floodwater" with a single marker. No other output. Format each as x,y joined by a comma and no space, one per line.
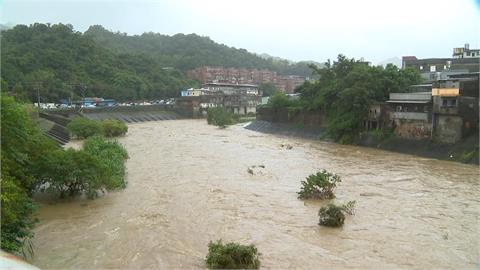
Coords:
188,184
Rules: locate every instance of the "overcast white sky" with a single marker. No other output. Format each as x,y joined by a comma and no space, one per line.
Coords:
294,29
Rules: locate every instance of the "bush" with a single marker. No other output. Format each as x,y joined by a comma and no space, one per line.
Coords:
114,128
218,116
22,145
71,172
333,215
319,186
111,156
99,165
82,127
231,256
279,100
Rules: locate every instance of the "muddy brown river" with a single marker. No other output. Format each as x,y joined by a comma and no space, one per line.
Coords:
188,184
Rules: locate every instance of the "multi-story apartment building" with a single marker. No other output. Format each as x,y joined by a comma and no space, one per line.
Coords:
463,60
206,74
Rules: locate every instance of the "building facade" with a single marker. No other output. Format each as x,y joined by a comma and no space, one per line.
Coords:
411,114
455,108
446,114
239,99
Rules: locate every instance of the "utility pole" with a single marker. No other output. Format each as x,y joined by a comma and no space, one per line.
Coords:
71,96
38,96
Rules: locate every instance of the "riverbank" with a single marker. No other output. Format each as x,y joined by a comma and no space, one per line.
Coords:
465,151
188,184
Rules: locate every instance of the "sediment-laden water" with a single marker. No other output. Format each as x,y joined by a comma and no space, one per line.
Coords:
188,184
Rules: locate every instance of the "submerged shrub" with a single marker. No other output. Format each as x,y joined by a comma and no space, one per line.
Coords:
219,116
319,186
70,172
83,128
99,165
114,128
333,215
232,256
111,156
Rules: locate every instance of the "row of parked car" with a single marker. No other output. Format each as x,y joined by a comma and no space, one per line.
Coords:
143,103
153,102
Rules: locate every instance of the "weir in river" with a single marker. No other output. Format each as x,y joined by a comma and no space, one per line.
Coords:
188,184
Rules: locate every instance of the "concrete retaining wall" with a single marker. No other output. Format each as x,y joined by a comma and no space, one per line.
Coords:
300,117
413,129
448,128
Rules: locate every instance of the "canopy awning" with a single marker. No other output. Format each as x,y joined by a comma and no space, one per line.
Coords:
409,101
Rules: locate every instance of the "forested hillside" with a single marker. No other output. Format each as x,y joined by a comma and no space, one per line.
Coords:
57,62
190,51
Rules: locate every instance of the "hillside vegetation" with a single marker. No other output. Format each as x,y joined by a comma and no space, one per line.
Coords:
57,62
190,51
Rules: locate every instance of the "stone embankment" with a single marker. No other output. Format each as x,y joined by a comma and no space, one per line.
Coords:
59,119
285,129
465,151
58,131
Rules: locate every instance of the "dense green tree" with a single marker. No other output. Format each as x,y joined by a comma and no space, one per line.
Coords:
22,147
345,89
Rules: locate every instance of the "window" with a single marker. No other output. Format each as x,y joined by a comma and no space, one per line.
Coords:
433,68
449,64
421,67
449,102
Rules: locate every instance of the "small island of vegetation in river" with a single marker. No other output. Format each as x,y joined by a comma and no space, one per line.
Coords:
221,117
232,256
